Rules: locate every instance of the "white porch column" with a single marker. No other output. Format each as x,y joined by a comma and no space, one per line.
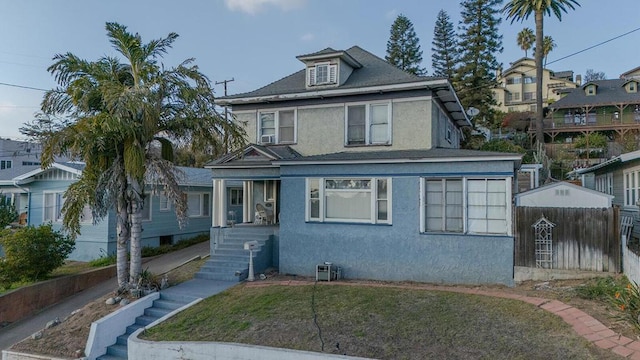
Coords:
247,199
219,204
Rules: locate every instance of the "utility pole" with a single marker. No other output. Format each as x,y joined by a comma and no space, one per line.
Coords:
226,115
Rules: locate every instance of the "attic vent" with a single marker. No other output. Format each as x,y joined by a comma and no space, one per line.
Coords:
562,192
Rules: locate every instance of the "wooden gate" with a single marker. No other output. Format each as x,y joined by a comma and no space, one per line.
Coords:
583,238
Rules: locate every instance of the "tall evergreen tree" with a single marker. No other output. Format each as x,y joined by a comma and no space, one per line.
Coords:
403,48
479,43
444,47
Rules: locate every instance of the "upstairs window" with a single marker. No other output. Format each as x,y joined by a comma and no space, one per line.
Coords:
277,127
514,80
632,87
529,79
322,74
5,164
530,95
368,124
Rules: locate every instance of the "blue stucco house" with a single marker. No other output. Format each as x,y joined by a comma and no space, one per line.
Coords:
357,163
40,194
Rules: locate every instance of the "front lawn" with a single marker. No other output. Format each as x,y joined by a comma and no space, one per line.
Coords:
379,322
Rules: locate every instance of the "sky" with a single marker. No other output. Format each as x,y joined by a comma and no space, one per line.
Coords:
255,42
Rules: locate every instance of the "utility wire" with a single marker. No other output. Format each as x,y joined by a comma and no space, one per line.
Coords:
22,86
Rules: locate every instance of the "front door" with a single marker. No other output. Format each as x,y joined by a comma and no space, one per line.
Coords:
234,205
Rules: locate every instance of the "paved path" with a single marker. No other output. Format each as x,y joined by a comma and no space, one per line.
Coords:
583,324
19,330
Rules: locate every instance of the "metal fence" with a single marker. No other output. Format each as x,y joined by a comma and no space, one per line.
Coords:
583,239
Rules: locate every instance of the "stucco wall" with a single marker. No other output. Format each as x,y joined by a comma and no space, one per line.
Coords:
391,252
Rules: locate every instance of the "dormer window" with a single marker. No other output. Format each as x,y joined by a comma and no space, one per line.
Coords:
590,90
322,74
632,87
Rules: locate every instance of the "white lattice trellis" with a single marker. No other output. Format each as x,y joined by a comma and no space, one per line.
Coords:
544,243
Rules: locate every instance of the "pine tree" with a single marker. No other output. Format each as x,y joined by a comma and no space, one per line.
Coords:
403,48
479,42
444,47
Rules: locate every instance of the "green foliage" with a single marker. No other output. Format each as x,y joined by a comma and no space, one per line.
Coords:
593,140
479,43
627,301
32,253
104,260
444,58
403,47
8,212
501,145
601,288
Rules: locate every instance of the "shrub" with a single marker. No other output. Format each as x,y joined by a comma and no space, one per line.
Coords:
32,253
8,212
103,260
627,301
601,288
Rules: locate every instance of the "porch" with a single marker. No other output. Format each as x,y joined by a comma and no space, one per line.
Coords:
247,202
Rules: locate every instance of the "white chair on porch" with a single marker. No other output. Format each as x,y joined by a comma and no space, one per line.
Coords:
262,215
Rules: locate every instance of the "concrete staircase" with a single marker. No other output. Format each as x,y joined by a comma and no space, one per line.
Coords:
161,307
230,262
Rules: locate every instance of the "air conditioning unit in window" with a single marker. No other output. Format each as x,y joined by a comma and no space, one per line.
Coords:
266,139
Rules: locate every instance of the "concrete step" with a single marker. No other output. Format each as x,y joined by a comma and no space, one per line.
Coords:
156,312
117,350
122,339
167,304
220,276
219,263
111,357
145,320
184,299
132,328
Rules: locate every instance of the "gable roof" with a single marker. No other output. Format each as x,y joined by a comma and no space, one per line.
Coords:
254,155
610,92
562,183
374,76
627,73
622,158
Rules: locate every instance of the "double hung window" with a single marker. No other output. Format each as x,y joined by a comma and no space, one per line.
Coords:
53,202
359,200
277,127
322,74
631,187
368,124
466,205
197,204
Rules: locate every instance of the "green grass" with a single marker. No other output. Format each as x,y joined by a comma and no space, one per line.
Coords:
148,251
602,289
379,322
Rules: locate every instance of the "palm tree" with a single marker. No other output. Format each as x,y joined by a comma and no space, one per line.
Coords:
121,117
547,46
526,38
520,10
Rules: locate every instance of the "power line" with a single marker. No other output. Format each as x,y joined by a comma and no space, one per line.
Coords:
23,86
594,46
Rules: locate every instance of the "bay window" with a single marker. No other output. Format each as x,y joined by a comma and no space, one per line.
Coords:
361,200
368,124
466,205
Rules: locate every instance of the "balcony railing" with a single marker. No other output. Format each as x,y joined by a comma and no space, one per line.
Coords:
591,119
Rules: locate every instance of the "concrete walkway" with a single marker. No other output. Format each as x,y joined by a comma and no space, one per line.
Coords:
583,324
19,330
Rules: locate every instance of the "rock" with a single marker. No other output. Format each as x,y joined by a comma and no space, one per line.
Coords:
542,286
263,277
37,335
110,301
76,311
79,353
52,323
164,283
118,299
124,302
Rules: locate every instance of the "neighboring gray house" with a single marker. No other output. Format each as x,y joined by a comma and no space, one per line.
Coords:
359,164
40,193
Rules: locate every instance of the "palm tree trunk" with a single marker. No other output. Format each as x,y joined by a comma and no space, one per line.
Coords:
122,241
136,231
538,60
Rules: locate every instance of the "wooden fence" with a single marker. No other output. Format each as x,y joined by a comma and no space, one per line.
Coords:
583,239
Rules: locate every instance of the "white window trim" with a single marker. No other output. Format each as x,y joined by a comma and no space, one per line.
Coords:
147,196
167,207
631,202
201,213
367,123
465,217
374,201
276,136
312,74
232,198
7,164
57,217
